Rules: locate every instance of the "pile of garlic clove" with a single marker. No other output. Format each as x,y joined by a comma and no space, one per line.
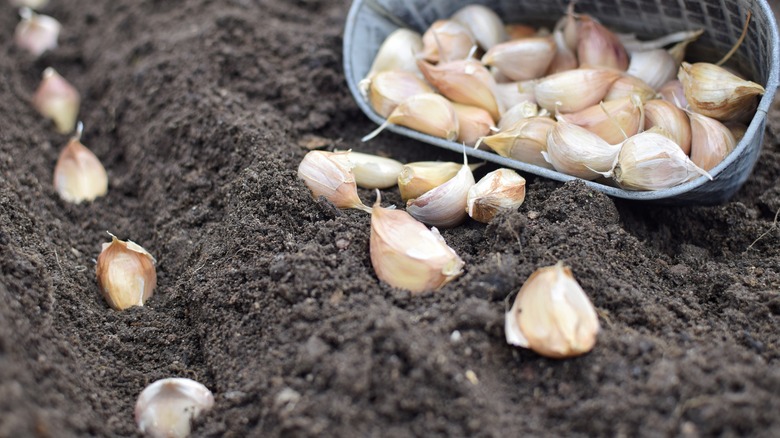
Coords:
571,99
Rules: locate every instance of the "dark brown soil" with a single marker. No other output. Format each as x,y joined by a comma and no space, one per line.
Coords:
200,111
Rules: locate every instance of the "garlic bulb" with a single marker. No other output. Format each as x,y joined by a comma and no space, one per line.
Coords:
407,255
446,40
36,33
473,123
420,177
715,92
389,88
613,121
428,113
329,174
711,141
599,47
79,175
672,119
125,274
499,190
483,23
524,141
445,205
574,90
58,100
552,315
166,408
523,59
652,161
397,52
627,86
654,67
372,171
578,152
467,82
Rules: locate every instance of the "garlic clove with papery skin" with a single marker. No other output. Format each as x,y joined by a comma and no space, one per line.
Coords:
390,88
655,67
483,23
398,52
574,90
445,205
521,60
36,33
329,174
552,315
597,46
372,171
166,408
613,121
715,92
499,190
711,141
465,81
422,176
79,175
672,119
524,141
576,151
58,100
473,123
446,40
125,273
407,255
428,113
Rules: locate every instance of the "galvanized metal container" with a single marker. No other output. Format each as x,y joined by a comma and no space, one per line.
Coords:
371,21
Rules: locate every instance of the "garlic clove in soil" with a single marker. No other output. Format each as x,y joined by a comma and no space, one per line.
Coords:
397,52
125,273
552,315
715,92
445,205
36,33
58,100
329,174
166,408
407,255
499,190
422,176
79,175
374,172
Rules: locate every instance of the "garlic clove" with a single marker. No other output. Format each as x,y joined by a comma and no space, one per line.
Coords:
627,86
511,94
654,67
715,92
407,255
523,59
446,40
500,190
125,274
372,171
673,92
524,141
32,4
483,23
711,141
737,129
445,205
516,31
36,33
422,176
614,121
166,408
58,100
633,45
389,88
522,110
652,161
473,123
677,51
578,152
397,52
574,90
466,81
79,175
428,113
672,119
552,315
597,46
564,59
329,174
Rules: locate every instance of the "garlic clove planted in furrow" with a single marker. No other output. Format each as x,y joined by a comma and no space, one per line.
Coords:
36,33
125,274
166,408
58,100
79,175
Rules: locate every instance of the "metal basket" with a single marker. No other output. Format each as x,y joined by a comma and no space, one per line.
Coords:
370,21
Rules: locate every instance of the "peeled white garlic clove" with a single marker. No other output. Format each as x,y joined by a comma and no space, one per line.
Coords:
397,52
407,255
473,123
58,100
466,81
36,33
422,176
578,152
511,94
125,274
597,46
574,90
446,40
613,121
672,119
627,86
389,88
564,58
483,23
329,174
166,408
521,60
374,172
518,112
711,141
79,175
524,141
655,67
653,161
499,190
445,205
552,315
715,92
673,92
